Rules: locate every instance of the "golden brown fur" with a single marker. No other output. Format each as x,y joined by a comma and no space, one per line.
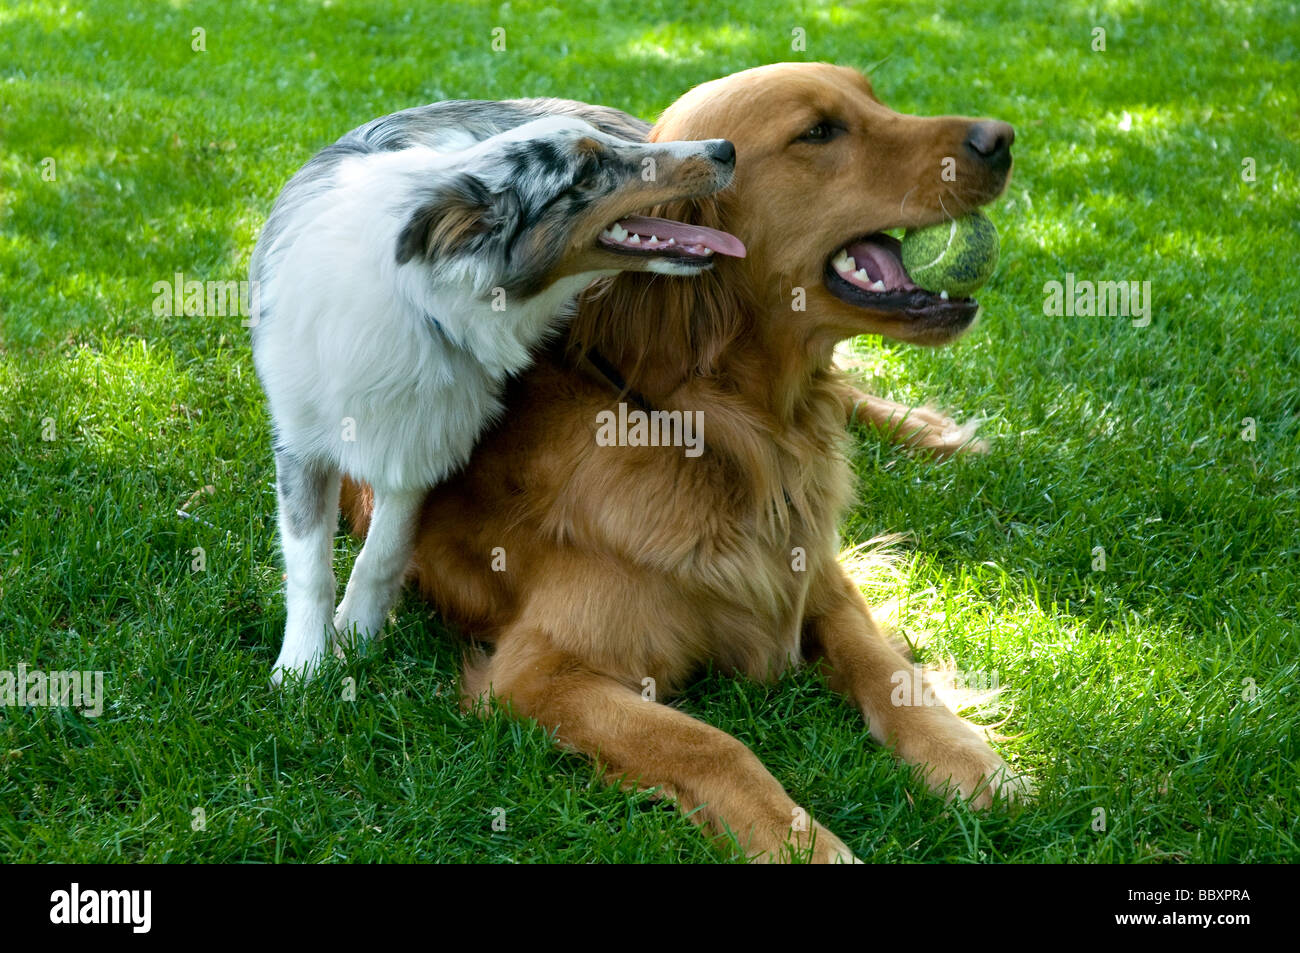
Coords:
628,563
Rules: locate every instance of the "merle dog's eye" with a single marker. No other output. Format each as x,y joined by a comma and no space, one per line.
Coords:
824,131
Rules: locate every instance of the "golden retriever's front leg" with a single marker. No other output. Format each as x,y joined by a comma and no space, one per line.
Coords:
653,746
917,428
946,751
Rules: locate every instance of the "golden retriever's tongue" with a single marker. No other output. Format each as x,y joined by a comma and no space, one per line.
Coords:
880,257
685,235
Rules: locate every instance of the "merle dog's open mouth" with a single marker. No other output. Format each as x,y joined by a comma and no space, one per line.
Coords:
645,237
868,272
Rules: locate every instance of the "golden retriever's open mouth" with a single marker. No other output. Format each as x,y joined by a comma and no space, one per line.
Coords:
647,237
868,272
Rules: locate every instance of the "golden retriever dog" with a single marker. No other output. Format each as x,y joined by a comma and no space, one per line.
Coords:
604,562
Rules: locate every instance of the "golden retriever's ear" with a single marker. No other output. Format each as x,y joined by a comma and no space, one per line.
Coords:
679,324
457,217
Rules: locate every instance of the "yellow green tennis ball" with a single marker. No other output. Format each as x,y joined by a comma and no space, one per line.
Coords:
956,257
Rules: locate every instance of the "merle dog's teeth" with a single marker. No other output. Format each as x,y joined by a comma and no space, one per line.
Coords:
618,232
943,295
672,241
634,239
654,238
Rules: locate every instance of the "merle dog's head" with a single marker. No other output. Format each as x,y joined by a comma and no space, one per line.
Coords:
555,197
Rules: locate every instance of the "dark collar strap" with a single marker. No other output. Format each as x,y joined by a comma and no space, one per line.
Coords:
615,379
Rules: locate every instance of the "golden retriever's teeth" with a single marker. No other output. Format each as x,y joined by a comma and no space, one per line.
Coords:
861,275
844,262
943,295
634,239
708,252
878,286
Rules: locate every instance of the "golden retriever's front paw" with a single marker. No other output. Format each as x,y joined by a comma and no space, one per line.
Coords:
954,761
829,849
804,840
984,784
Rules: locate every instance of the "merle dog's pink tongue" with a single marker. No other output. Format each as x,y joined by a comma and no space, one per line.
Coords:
721,242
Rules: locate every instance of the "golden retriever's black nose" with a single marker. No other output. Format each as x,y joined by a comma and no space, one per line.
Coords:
991,142
722,151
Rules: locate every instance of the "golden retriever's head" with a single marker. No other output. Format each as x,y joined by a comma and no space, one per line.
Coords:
822,166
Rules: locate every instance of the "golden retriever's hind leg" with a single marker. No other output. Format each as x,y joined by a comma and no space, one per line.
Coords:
653,746
916,428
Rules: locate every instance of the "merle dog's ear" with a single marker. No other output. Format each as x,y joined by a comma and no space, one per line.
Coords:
458,216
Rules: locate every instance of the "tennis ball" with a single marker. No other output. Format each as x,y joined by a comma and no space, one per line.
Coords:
956,257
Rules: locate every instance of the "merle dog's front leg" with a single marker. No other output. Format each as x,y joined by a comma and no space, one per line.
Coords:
380,569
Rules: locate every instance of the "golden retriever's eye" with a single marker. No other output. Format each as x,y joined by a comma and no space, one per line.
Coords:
824,131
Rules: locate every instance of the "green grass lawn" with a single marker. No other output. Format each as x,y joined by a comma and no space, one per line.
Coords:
1161,689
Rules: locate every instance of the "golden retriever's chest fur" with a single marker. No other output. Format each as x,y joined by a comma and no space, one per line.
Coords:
639,528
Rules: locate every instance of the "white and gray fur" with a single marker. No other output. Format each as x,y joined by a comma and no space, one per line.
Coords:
383,360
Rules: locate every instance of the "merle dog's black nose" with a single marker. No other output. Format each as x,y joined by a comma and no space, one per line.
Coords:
991,142
722,151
